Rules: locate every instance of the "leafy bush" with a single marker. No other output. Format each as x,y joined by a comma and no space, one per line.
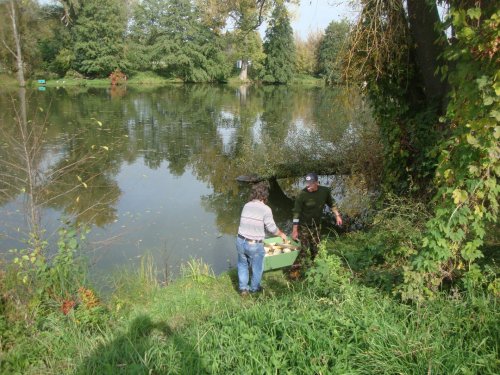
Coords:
327,275
379,253
73,74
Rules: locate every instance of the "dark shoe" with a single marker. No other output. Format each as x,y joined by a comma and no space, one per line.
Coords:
244,293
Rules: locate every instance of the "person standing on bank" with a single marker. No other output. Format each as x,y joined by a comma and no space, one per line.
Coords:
307,213
256,218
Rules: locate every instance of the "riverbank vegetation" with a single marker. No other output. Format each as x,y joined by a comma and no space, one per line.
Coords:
415,290
329,322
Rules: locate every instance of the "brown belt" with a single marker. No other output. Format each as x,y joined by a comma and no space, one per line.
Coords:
248,239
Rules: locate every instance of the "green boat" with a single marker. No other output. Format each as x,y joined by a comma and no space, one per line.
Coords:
285,259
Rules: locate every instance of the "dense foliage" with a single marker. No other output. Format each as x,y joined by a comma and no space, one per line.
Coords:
29,31
193,41
99,46
330,51
279,48
468,162
306,55
435,99
167,38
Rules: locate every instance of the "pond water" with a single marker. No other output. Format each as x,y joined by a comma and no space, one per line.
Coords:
153,170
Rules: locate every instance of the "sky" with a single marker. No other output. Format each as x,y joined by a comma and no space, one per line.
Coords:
313,15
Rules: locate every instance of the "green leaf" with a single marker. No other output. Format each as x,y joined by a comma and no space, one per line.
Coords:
467,32
496,132
474,13
473,170
496,87
482,81
472,140
459,196
488,100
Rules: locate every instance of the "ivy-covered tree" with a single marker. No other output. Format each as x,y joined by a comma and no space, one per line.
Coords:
99,34
329,52
433,86
279,48
168,38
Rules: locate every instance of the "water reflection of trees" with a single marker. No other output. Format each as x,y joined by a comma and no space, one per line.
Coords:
218,132
69,169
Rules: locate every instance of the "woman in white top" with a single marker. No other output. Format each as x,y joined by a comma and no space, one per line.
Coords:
256,218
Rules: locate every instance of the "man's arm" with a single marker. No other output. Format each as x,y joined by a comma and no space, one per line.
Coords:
330,202
338,218
295,232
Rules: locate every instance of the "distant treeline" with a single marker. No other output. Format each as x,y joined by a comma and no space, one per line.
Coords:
190,40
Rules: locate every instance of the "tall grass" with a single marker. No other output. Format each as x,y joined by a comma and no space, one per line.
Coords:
357,332
197,270
327,324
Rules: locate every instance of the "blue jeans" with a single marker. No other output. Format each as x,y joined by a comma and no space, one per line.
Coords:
250,255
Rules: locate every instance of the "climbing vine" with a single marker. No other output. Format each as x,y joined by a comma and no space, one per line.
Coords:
468,166
382,56
441,148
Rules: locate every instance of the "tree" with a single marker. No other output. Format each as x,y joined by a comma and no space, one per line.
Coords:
12,11
71,8
279,48
306,61
330,51
99,34
19,30
435,97
244,16
246,49
168,38
56,43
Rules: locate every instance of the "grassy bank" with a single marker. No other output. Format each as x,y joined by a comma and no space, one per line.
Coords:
142,78
137,79
308,81
327,323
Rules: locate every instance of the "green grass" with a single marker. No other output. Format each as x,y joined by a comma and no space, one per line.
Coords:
138,79
307,80
299,80
235,81
144,78
8,80
199,324
63,82
150,78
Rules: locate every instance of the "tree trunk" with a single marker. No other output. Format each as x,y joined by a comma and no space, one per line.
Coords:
244,70
11,8
423,17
